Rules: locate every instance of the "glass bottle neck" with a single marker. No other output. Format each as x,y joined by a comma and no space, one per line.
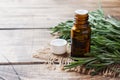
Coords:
81,19
81,22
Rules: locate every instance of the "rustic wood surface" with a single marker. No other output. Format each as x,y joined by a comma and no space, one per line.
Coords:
23,23
20,45
43,72
47,13
24,29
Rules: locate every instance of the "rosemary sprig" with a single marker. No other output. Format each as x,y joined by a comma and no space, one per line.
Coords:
105,43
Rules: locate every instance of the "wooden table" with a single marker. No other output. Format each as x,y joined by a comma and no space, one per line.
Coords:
24,28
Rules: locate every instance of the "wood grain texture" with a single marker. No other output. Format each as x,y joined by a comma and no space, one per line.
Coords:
20,45
15,44
42,72
47,13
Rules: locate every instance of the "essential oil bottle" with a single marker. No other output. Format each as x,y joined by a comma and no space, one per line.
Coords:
80,34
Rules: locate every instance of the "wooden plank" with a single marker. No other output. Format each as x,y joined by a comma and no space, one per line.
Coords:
44,72
47,13
38,19
19,45
29,22
36,3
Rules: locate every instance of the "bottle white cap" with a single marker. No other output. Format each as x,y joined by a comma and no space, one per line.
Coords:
81,12
58,46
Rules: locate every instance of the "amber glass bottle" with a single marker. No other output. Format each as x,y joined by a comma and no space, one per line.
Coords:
80,34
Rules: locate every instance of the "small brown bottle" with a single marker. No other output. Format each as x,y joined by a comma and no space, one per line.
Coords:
80,34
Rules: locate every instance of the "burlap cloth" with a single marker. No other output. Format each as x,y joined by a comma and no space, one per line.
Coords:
62,60
53,59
